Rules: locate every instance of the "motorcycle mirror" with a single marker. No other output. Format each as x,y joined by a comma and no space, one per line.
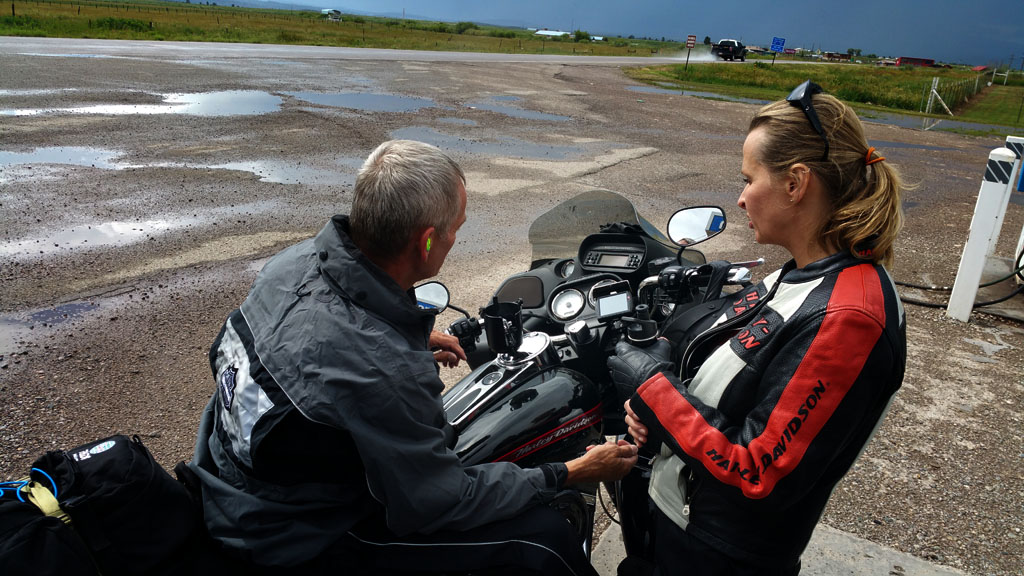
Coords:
696,224
432,296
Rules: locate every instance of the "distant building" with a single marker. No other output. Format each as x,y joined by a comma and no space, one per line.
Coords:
551,33
331,14
908,61
597,38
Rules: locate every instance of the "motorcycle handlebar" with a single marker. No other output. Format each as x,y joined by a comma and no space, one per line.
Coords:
673,279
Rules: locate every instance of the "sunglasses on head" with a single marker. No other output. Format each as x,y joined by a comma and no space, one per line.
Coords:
801,98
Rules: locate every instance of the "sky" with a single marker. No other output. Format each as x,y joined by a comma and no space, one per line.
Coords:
954,31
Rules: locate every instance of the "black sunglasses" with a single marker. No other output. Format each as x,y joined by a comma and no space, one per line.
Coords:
801,98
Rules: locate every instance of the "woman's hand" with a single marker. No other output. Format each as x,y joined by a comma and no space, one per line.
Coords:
447,351
602,463
636,428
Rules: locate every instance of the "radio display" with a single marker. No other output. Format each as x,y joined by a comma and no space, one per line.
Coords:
616,260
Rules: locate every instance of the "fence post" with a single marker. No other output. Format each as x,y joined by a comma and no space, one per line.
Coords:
1014,144
931,97
972,262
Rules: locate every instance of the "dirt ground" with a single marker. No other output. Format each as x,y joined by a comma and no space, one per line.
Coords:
116,271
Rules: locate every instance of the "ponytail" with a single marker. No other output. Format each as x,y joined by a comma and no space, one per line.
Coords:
868,221
863,189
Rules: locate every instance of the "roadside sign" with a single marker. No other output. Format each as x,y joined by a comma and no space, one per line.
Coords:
691,41
778,45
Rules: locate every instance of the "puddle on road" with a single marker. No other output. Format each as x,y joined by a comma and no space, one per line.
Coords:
503,146
15,328
227,103
35,165
289,173
887,144
710,95
921,123
91,236
73,155
366,101
512,111
121,233
39,92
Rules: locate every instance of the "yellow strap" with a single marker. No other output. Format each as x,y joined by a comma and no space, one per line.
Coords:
44,500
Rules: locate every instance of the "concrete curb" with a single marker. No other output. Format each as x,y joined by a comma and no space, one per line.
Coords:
831,552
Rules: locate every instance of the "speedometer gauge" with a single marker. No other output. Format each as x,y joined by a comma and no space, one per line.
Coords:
567,304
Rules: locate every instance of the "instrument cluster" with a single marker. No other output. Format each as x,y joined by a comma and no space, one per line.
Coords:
570,302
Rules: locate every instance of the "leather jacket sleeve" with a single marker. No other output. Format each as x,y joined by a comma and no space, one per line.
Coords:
826,384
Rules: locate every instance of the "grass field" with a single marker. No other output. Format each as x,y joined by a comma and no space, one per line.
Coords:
155,20
869,87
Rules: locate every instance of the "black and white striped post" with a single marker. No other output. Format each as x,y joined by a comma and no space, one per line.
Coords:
1016,145
972,262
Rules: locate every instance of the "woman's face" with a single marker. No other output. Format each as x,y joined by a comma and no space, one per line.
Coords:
765,199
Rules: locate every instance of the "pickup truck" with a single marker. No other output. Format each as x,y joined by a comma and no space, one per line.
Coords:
728,49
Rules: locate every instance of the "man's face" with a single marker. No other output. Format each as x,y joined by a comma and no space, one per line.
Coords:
441,242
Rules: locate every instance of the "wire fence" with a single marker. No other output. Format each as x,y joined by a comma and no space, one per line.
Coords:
951,93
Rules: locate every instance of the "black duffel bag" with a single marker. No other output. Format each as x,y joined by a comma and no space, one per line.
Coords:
131,514
34,543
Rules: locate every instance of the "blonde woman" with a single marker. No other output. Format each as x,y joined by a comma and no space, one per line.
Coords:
772,405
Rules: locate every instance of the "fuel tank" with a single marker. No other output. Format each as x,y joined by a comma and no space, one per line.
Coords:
530,412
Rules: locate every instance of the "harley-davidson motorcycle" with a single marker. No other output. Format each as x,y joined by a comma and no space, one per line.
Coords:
540,389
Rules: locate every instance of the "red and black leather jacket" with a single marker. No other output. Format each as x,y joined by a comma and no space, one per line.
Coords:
793,381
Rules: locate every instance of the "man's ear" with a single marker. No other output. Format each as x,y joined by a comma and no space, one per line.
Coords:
426,240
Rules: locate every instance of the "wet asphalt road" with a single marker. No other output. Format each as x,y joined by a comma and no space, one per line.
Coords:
133,220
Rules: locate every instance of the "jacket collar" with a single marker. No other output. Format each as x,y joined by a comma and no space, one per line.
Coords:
357,278
814,270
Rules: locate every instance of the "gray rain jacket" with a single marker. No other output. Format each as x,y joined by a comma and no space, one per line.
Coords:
328,411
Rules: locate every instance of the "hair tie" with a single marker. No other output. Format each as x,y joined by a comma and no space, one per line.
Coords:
868,160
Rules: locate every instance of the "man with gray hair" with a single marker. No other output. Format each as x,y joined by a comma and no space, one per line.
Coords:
325,441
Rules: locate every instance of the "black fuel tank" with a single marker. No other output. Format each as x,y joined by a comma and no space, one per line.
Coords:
527,415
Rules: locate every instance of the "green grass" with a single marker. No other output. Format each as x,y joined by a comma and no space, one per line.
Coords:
999,105
156,20
865,87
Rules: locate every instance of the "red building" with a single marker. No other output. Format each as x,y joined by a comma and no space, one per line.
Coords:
905,61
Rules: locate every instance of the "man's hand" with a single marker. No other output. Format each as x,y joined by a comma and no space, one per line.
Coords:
602,463
447,351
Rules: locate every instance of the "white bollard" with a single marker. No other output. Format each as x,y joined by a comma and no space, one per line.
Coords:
972,262
1016,145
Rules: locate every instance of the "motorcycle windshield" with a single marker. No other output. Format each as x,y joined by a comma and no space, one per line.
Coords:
559,232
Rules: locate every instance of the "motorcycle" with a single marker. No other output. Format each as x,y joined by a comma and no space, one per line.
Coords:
539,390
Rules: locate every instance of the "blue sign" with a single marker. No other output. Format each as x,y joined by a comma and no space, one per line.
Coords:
777,44
717,223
